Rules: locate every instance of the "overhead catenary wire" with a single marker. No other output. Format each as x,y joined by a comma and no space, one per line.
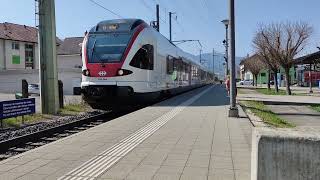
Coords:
112,12
151,9
180,26
181,13
163,9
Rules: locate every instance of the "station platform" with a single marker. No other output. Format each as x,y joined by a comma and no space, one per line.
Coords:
186,137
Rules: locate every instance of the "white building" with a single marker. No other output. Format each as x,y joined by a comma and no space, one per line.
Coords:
19,58
244,74
69,53
18,47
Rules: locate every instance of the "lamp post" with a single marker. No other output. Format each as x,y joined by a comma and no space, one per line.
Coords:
226,44
170,25
310,75
233,110
310,79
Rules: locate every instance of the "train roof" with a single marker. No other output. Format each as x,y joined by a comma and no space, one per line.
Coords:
128,25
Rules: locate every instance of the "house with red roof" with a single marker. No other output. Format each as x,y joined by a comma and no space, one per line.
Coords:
69,53
18,47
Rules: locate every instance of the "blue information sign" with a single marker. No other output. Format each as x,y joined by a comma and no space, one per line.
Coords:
16,108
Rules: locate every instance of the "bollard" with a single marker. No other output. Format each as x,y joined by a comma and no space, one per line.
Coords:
60,87
25,93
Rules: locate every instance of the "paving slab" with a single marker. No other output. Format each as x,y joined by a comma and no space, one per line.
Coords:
202,137
301,116
185,137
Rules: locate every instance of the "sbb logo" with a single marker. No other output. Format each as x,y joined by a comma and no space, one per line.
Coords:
102,73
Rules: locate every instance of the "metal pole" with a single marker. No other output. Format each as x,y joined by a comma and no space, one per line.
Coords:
213,62
227,51
200,55
233,111
48,57
170,14
310,79
158,18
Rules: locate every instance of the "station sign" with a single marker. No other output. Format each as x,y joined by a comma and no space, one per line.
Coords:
19,107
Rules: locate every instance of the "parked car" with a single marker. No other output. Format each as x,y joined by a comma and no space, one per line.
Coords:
272,82
33,89
76,83
246,82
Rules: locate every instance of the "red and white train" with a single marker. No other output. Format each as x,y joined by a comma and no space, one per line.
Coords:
125,62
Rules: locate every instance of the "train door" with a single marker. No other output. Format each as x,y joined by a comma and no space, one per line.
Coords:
189,73
163,63
157,70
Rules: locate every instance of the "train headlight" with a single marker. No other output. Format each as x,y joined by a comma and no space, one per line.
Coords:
86,72
120,72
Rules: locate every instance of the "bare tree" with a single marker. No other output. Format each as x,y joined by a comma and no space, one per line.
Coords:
254,65
284,41
260,45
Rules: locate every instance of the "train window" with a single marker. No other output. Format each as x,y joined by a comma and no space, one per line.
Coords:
143,59
188,68
195,72
170,64
107,48
177,65
136,24
185,70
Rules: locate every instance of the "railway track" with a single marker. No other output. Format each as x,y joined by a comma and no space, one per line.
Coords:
20,144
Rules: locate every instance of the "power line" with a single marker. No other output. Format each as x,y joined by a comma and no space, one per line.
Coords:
206,4
112,12
151,10
180,26
161,6
147,6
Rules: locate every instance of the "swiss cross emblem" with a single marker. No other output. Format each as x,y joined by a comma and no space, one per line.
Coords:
102,73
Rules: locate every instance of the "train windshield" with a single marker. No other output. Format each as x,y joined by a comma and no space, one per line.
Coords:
107,48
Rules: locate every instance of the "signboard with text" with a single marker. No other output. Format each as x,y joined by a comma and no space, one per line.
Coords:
16,108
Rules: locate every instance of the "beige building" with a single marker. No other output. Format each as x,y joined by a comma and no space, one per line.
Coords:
69,53
19,58
18,47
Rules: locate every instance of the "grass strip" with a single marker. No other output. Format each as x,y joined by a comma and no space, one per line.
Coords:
271,91
316,107
27,119
73,109
266,115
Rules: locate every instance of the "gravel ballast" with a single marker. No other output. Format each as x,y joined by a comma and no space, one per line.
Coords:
45,124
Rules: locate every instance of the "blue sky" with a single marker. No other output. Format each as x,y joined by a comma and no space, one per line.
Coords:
196,19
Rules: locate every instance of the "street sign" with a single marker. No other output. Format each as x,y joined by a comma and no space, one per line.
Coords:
16,108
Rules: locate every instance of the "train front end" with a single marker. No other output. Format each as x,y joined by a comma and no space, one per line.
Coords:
104,50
